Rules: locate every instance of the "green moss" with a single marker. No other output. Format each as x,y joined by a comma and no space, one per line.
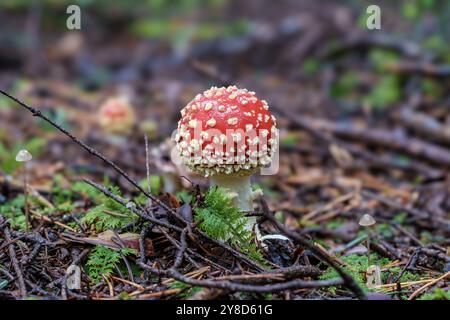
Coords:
63,199
427,237
437,294
359,265
385,92
310,66
410,10
334,224
380,58
432,88
406,277
290,140
400,217
65,195
124,296
14,211
345,85
383,230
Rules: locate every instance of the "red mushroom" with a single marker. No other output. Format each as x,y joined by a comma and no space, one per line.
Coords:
228,133
116,116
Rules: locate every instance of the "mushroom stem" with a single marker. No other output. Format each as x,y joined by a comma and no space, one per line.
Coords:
241,186
25,191
368,235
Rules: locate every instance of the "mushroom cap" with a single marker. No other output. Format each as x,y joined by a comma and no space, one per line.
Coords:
23,156
226,131
116,115
367,220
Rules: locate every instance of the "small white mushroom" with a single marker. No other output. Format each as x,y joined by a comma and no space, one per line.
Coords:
23,156
366,220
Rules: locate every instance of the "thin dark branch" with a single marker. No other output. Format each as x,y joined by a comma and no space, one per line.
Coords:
348,280
293,284
15,263
182,249
92,151
136,211
158,222
233,286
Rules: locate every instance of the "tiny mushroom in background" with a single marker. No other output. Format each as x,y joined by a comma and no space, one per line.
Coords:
367,221
228,134
25,156
117,116
151,128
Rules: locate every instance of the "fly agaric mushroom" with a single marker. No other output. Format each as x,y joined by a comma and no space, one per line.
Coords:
228,133
117,116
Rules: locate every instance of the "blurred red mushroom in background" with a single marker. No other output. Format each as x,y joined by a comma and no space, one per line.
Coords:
117,116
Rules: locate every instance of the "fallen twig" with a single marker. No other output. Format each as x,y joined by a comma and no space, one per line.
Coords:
15,263
429,284
347,279
379,161
425,69
92,151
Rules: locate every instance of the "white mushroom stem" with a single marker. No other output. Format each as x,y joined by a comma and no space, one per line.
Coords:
243,197
25,156
241,187
368,235
25,191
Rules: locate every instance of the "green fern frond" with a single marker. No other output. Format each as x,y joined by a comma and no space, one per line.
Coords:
109,214
103,260
86,190
221,220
